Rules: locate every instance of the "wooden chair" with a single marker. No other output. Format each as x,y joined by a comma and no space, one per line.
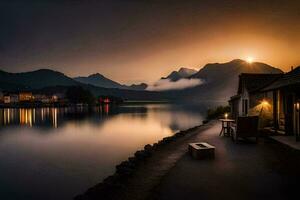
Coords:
246,127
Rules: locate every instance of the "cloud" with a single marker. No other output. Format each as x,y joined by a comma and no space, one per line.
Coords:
167,84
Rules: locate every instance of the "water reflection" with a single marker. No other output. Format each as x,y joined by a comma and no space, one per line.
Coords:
50,117
82,145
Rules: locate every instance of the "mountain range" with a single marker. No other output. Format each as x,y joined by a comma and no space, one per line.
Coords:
219,82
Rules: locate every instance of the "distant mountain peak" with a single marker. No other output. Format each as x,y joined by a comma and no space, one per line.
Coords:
186,72
96,75
141,86
183,72
100,80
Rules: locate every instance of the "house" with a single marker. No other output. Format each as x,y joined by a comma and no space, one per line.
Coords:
6,99
58,97
249,97
41,98
11,98
273,97
25,96
286,98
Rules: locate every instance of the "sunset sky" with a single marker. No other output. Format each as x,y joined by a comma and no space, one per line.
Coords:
139,41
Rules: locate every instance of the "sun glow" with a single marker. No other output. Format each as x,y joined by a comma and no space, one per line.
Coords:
249,59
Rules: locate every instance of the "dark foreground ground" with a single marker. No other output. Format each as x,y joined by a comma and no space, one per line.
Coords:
239,171
245,170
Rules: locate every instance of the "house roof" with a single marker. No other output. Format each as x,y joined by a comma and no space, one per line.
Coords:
255,82
288,79
235,97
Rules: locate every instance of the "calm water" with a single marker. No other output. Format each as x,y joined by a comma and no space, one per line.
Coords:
56,153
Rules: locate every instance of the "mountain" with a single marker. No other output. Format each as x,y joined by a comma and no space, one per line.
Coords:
141,86
221,80
49,82
100,81
181,73
34,79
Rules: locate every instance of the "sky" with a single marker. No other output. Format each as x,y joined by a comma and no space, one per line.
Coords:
133,41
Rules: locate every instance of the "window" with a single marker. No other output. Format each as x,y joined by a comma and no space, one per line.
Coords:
245,107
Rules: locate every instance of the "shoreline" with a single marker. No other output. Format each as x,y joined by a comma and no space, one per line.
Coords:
135,177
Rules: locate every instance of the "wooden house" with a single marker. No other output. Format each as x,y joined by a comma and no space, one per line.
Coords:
286,97
249,97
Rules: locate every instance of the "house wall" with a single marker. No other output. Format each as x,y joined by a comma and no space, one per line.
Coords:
280,110
244,109
287,117
234,108
297,118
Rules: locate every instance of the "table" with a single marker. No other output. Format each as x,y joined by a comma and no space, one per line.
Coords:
226,127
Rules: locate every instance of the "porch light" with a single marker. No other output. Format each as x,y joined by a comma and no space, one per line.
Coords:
264,104
226,115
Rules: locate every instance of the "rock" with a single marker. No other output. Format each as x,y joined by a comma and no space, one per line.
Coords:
111,182
155,146
133,160
161,142
180,134
205,121
140,155
125,168
168,139
148,148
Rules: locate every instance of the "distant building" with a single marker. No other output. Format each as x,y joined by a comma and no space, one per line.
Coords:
54,98
58,97
25,96
41,98
6,99
11,98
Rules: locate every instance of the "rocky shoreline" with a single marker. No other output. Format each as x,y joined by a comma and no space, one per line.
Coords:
121,183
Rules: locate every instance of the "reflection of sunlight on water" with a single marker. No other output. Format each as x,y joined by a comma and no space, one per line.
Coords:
54,117
25,116
165,115
179,120
28,116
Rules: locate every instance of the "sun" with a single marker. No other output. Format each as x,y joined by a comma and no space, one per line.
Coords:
249,59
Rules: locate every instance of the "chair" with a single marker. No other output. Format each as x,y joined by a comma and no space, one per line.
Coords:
246,127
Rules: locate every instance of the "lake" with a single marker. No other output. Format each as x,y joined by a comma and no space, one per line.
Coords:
57,153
